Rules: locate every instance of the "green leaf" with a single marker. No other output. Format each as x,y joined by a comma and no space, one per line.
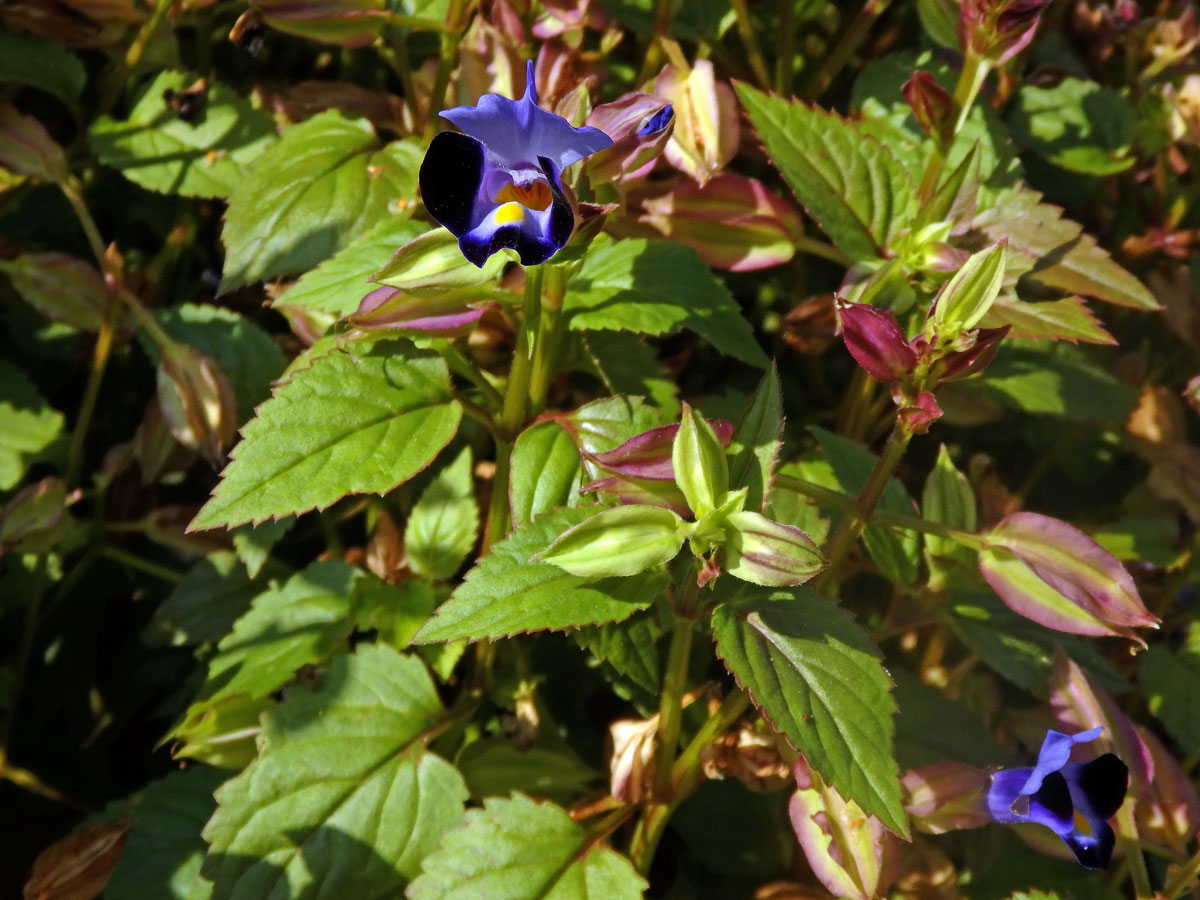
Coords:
922,737
947,500
296,623
507,593
1068,319
657,287
754,448
1171,683
337,286
325,182
444,522
253,543
622,542
205,604
42,64
28,426
164,852
604,425
343,800
244,352
1076,124
354,422
544,473
1060,380
1017,648
897,552
520,849
206,156
627,365
1064,255
816,675
629,647
494,767
847,181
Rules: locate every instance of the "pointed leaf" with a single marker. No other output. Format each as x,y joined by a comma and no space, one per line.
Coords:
1064,255
61,287
1056,575
508,593
754,449
848,182
815,674
343,794
657,287
325,182
355,422
433,261
1171,683
444,522
544,473
519,849
204,155
629,647
28,425
337,286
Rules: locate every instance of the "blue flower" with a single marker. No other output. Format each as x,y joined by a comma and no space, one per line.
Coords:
658,121
499,183
1063,795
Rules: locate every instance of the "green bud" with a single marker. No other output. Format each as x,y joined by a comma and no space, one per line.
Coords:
967,297
701,470
622,541
764,552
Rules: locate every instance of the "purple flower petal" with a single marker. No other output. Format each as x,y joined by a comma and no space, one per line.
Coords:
517,132
1056,753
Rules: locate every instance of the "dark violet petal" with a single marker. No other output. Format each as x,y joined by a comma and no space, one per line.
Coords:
1055,753
658,121
562,219
517,132
1098,787
1051,804
1093,851
450,176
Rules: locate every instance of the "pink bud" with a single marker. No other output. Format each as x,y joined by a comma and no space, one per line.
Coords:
640,126
707,129
446,313
732,222
920,414
648,455
998,29
974,359
876,342
932,105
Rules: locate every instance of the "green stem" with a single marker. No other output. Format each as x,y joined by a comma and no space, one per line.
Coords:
133,55
446,60
970,79
71,190
548,346
23,653
1179,883
754,54
865,505
1128,840
87,407
116,554
460,365
785,51
841,53
670,708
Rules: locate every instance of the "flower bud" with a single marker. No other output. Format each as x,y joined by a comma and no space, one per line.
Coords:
648,455
974,359
618,542
947,796
764,552
706,120
875,340
640,491
80,864
197,401
967,297
998,29
932,105
640,126
632,765
26,148
917,416
698,460
444,313
732,222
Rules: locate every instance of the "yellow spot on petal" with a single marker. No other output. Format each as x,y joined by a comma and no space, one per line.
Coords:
509,213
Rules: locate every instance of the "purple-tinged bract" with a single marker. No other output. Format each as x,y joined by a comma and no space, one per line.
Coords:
1055,791
499,183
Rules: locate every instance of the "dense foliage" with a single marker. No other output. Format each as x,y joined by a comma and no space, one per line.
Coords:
599,449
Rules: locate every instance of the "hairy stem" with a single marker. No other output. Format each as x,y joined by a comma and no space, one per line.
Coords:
670,709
